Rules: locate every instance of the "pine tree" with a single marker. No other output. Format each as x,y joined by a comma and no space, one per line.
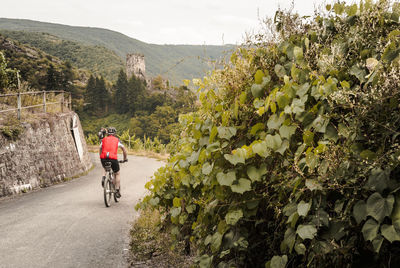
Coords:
120,98
136,94
102,97
90,95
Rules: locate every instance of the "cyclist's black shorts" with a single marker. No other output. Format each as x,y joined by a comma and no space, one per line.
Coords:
114,164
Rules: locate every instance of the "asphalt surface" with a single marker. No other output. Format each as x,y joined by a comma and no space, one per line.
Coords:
68,225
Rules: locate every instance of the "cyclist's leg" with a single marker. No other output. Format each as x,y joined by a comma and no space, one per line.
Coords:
117,180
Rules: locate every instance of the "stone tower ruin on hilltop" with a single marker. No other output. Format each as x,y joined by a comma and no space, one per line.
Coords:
135,65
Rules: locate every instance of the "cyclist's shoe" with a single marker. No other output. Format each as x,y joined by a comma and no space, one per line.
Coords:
102,181
118,194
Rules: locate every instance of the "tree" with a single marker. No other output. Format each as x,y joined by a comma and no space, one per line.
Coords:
102,97
52,78
136,94
121,93
90,95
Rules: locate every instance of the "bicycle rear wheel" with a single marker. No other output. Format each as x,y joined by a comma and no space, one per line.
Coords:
107,192
115,196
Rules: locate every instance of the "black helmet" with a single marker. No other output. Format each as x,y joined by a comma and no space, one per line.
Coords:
111,130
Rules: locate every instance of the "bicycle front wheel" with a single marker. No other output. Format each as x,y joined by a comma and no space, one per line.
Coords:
107,192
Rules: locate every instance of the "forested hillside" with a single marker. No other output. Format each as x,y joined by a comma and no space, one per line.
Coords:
293,159
39,70
125,104
174,62
97,59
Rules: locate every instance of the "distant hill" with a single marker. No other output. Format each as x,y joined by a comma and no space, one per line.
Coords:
99,60
175,62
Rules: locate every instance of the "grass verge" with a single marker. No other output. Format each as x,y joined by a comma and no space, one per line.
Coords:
152,245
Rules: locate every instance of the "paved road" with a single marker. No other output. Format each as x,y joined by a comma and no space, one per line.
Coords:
67,225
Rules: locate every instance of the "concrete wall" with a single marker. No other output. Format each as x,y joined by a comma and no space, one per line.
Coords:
44,154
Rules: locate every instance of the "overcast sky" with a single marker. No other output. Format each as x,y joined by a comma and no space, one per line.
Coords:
210,22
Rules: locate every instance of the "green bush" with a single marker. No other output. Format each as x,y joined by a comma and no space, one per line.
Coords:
293,157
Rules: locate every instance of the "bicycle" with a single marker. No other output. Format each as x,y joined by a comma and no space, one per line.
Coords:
109,186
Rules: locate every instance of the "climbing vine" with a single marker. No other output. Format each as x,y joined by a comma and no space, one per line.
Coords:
293,156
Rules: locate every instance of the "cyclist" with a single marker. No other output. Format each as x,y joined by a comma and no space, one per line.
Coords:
109,153
102,133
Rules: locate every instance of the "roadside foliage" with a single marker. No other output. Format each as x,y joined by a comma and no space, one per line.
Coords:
293,157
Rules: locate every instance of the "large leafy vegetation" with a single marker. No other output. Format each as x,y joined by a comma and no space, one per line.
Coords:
293,157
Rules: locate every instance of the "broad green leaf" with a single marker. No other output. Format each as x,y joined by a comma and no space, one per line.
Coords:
154,201
298,53
345,84
275,121
311,160
308,137
378,180
320,123
255,174
331,133
313,185
396,212
280,70
300,249
370,229
191,208
377,243
360,211
390,233
303,208
279,261
258,77
213,147
261,149
257,90
243,97
391,52
282,100
328,7
216,242
226,132
175,211
237,156
287,131
176,202
274,142
358,72
232,217
321,148
289,238
242,186
379,207
257,127
303,90
205,261
306,231
207,168
339,8
213,133
284,147
352,10
368,155
226,179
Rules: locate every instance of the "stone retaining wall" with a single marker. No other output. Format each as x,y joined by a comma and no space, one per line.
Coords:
44,154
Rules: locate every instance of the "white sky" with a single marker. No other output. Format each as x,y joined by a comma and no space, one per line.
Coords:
210,22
